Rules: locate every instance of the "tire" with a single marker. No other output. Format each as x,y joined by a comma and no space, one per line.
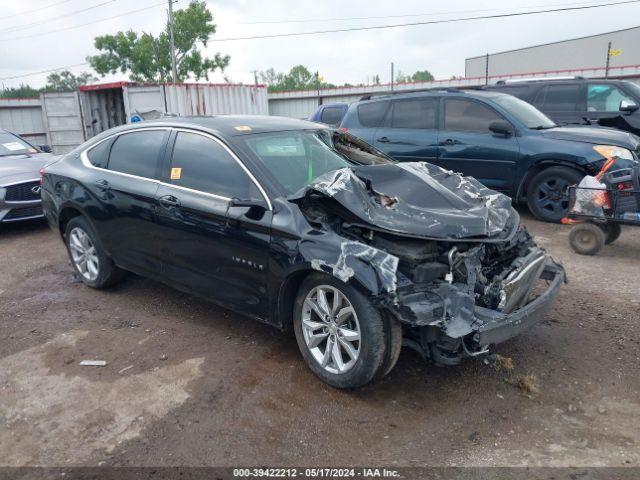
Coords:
88,257
612,233
314,332
393,333
547,195
586,239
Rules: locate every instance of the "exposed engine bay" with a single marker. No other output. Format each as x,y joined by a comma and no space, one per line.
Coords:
458,272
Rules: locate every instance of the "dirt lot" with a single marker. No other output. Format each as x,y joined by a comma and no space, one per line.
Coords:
190,384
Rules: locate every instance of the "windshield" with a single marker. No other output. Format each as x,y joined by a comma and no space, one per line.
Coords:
529,115
12,145
633,88
297,158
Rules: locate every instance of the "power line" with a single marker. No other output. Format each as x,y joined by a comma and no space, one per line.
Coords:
51,19
429,14
431,22
44,71
85,24
24,12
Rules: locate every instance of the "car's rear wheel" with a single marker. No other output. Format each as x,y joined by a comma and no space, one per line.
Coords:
340,334
88,257
547,193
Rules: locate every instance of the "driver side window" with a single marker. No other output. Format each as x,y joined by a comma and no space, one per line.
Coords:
605,98
200,163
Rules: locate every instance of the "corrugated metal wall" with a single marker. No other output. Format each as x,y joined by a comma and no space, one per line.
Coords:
197,99
62,120
24,117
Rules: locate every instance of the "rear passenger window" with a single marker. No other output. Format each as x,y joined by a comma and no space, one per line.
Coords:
466,116
137,153
332,115
558,98
202,164
414,114
372,114
99,155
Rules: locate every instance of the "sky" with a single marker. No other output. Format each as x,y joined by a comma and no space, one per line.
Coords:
30,43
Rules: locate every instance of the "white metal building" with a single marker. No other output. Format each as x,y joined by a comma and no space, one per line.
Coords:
578,56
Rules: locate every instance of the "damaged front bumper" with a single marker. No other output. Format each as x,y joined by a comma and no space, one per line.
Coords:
448,325
496,327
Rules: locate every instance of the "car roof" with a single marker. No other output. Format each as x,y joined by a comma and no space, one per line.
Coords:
436,93
234,125
545,81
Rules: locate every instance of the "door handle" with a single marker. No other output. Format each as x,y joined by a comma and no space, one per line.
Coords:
449,142
169,201
384,140
102,184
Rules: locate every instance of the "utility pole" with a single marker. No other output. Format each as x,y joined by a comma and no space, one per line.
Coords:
392,76
606,70
486,70
255,77
174,70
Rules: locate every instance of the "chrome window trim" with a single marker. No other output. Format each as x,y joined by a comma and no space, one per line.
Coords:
235,157
84,158
87,163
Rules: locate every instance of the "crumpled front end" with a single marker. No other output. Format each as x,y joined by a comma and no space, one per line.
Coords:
489,293
437,251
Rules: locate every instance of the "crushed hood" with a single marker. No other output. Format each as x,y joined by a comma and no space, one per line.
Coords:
416,199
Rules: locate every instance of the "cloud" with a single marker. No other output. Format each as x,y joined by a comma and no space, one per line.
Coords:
339,57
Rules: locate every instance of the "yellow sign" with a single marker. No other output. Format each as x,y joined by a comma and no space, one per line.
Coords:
176,173
615,53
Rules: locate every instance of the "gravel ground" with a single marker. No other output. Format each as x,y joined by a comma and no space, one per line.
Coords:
190,384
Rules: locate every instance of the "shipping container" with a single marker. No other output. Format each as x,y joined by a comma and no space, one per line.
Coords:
109,105
70,118
23,116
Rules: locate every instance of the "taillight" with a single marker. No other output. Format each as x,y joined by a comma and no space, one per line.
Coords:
41,176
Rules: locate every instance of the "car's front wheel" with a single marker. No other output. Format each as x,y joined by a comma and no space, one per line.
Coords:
87,256
547,193
340,334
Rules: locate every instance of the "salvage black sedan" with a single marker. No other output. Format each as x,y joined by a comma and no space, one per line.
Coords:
307,229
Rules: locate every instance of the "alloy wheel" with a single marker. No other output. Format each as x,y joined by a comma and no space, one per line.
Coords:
331,329
83,254
552,195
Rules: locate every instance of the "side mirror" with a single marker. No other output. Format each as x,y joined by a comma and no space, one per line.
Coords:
257,208
500,127
628,106
45,148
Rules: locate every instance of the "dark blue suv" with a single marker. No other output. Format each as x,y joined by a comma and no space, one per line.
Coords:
504,142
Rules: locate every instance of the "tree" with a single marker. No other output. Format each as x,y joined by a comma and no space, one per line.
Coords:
298,78
419,76
147,58
65,81
23,91
402,78
270,78
422,76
